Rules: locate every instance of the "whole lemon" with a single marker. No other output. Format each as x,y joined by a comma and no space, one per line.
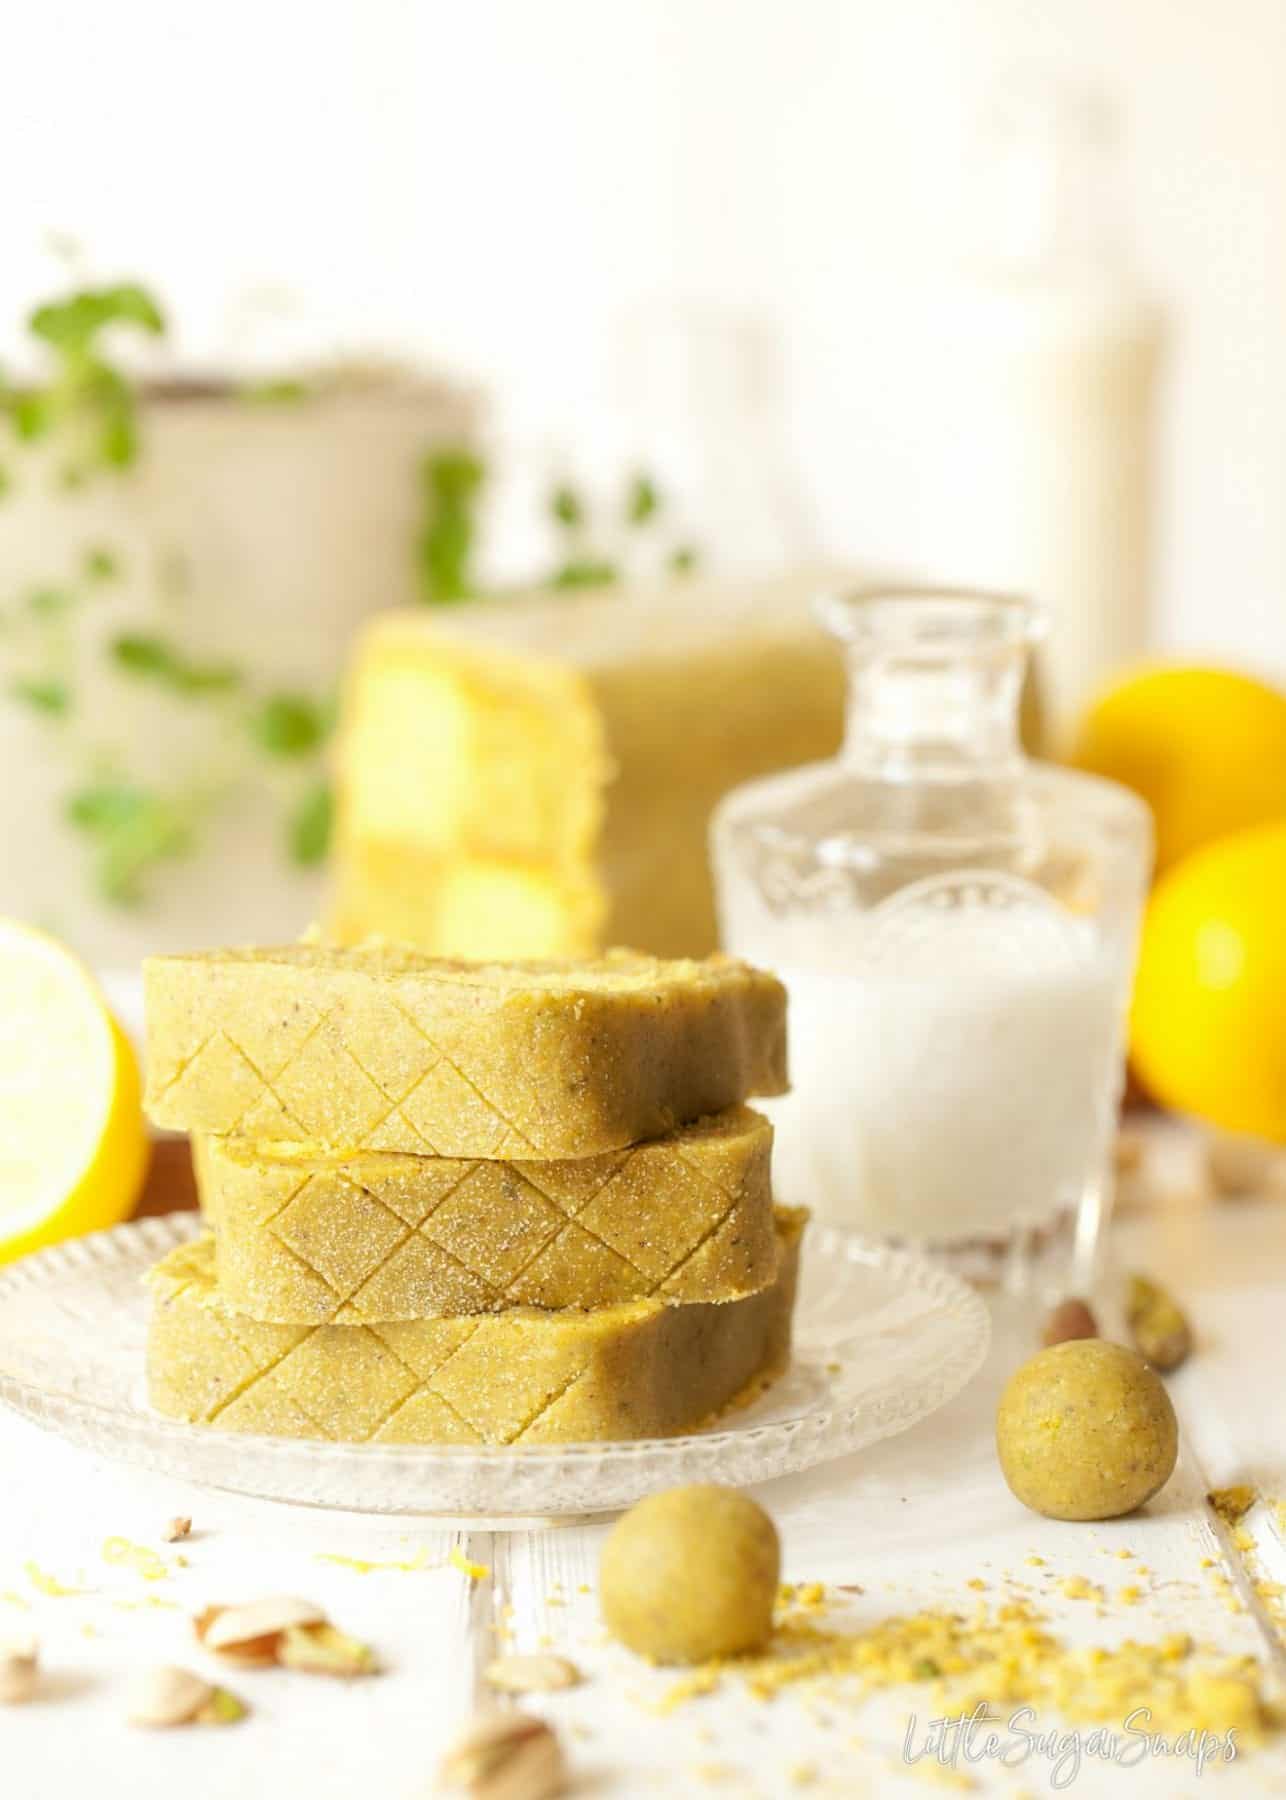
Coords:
691,1574
1086,1430
1206,748
1208,1031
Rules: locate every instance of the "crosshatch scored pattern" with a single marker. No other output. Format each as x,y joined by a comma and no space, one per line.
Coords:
426,1379
391,1237
350,1052
323,1091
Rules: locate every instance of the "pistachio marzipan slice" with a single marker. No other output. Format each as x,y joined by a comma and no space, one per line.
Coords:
640,1369
379,1236
377,1047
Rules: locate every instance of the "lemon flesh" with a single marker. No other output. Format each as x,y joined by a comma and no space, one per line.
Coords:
73,1146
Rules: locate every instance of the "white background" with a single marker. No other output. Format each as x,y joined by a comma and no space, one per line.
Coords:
494,183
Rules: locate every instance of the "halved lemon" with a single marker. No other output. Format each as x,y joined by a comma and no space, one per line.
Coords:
73,1147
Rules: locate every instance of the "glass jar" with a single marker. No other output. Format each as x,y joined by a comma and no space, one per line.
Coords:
956,926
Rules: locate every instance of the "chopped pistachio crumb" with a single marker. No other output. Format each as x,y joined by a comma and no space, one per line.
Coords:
1232,1503
1002,1656
138,1557
49,1584
408,1565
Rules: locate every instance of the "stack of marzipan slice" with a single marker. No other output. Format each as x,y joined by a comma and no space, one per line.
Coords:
468,1203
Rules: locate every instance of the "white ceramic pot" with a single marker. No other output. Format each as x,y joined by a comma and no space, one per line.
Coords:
253,535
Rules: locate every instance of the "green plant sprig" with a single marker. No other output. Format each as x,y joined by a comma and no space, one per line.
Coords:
453,482
85,389
133,828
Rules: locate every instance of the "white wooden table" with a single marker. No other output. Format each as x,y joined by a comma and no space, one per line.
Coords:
911,1522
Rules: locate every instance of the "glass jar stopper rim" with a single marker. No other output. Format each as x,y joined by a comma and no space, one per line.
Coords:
931,621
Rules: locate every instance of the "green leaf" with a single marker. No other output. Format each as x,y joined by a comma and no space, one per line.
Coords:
684,560
153,658
72,324
446,548
118,442
65,323
131,304
290,724
566,506
104,805
112,398
52,696
6,481
643,501
144,655
452,481
50,602
454,475
134,828
585,572
33,413
85,385
101,564
308,830
129,858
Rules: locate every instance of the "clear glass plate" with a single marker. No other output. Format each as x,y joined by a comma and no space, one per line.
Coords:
882,1339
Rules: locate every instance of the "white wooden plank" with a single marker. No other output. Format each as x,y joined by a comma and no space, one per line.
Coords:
911,1521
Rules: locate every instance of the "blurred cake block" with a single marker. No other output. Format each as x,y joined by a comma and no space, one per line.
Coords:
533,776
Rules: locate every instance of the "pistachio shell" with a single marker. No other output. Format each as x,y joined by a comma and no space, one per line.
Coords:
238,1628
19,1670
1160,1331
168,1696
322,1650
504,1756
532,1674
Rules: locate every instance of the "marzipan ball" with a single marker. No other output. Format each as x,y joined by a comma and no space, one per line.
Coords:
1085,1430
691,1574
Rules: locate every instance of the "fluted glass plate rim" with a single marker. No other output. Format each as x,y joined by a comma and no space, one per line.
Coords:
884,1338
